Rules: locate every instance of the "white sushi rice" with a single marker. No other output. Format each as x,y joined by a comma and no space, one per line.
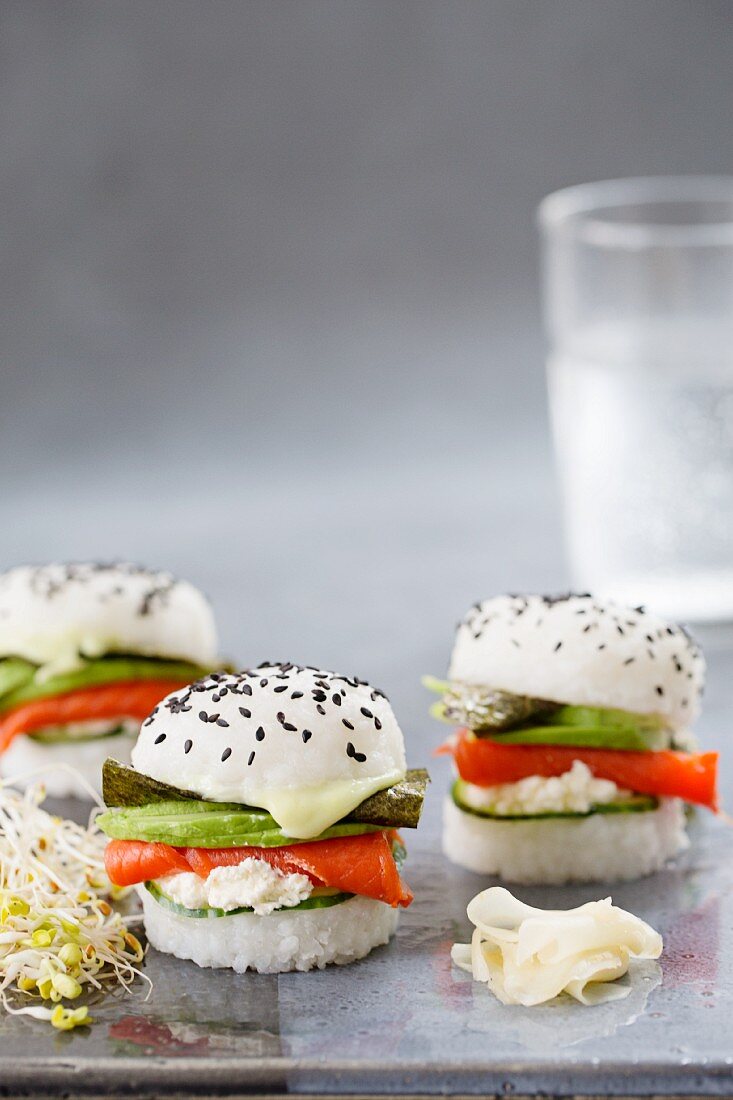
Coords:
26,757
281,941
597,848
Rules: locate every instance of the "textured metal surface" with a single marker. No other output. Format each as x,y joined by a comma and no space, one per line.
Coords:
404,1021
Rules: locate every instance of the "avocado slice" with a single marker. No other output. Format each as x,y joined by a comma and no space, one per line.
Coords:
638,803
208,825
592,727
23,687
15,673
520,720
399,806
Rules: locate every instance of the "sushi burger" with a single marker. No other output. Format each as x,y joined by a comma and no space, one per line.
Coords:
86,651
573,753
259,819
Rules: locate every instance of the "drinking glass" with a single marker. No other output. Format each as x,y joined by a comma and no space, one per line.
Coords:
638,280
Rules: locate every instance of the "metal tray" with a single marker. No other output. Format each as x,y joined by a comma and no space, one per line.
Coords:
405,1021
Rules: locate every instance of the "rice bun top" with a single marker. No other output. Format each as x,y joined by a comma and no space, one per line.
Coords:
57,614
304,744
581,651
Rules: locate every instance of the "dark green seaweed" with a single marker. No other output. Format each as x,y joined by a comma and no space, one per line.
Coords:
399,806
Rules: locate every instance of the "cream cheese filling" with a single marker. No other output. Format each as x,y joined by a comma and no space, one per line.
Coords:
252,883
575,791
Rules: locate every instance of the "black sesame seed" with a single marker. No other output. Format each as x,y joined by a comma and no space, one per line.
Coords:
203,716
558,646
347,723
320,709
350,750
289,727
306,735
659,690
251,757
336,699
245,712
221,722
226,754
159,738
263,684
187,746
279,688
320,696
260,734
280,717
629,660
367,713
620,629
377,723
246,689
297,695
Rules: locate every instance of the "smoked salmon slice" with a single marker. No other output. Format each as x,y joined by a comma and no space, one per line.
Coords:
361,865
125,699
687,775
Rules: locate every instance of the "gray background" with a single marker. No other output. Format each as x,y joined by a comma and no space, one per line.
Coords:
269,298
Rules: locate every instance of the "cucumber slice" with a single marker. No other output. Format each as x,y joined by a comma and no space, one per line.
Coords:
638,803
58,735
320,901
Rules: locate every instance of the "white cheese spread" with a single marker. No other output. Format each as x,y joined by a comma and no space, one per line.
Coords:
576,791
528,956
252,883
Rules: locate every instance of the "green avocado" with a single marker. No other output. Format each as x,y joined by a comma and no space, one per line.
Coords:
18,682
518,720
638,803
15,673
208,825
593,728
321,901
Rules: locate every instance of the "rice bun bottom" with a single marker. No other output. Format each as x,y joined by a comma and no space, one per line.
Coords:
24,756
285,940
597,848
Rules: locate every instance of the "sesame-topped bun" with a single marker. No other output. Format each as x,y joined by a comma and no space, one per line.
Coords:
577,650
306,745
55,614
